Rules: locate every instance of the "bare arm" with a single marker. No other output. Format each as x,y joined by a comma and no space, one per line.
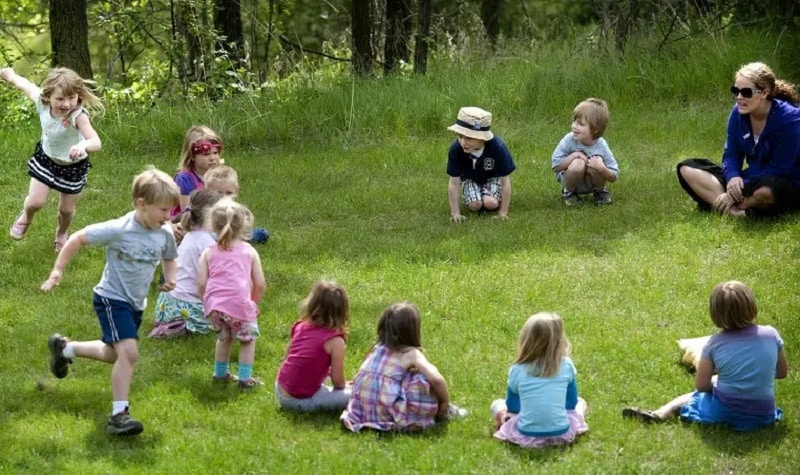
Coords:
414,358
170,268
783,365
72,246
90,142
595,162
336,348
202,273
454,198
257,276
28,88
702,379
505,196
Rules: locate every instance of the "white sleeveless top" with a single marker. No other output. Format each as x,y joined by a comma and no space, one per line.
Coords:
59,134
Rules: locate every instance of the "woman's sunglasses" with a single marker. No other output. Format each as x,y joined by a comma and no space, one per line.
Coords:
746,92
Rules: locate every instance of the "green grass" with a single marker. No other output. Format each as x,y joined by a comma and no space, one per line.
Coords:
365,203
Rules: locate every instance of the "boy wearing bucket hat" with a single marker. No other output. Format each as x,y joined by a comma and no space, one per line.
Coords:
479,165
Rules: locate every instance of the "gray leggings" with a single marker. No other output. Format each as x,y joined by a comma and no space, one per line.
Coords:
325,399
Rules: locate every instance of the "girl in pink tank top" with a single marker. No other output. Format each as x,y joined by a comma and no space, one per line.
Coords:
230,278
316,352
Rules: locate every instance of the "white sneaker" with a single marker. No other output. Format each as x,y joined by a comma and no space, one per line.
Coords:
455,412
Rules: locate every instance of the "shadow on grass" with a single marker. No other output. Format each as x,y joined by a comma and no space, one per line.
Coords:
320,420
544,454
724,440
140,451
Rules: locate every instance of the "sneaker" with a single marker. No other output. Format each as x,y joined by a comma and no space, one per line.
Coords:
59,365
228,378
250,383
123,424
640,415
570,198
602,197
455,412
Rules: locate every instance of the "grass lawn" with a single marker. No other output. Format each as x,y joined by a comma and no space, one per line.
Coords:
629,279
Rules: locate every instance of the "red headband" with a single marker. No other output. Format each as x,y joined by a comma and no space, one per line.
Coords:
205,146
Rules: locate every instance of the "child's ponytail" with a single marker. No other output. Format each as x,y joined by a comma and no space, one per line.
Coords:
231,221
199,202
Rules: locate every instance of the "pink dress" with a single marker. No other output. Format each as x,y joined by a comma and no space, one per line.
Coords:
387,397
229,287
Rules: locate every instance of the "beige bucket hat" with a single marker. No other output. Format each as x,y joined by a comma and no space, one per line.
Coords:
473,122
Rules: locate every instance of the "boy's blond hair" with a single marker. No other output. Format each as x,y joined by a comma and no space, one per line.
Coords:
155,186
595,113
70,83
732,305
196,133
543,344
220,174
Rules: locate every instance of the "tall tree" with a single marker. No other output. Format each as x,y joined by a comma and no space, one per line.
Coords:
361,26
423,38
228,25
398,30
490,17
69,36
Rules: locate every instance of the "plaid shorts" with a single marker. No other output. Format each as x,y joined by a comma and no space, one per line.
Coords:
472,192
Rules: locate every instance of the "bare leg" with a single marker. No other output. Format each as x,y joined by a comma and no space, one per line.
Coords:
762,199
475,206
66,210
575,175
122,374
36,199
247,353
223,349
94,350
594,180
490,202
704,184
672,408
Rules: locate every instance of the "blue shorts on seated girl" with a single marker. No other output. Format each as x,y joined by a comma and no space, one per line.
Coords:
705,408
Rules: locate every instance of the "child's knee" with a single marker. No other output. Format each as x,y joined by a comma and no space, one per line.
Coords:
491,203
475,205
127,351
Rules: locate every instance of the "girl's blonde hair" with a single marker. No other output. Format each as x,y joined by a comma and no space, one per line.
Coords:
732,305
199,202
230,220
155,187
326,306
194,135
543,344
70,83
220,174
762,76
400,326
595,113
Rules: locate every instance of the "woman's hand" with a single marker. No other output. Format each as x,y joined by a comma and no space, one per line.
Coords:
735,188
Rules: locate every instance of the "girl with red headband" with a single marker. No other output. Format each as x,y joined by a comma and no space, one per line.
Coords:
201,152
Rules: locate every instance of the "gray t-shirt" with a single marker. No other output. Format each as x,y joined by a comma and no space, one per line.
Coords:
568,145
132,255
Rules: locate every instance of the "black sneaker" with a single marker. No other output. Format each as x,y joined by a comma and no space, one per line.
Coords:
59,365
123,424
570,198
602,197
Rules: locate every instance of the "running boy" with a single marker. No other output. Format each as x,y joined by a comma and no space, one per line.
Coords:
135,244
479,165
582,160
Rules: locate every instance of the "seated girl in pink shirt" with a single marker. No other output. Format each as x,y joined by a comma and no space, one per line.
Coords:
315,352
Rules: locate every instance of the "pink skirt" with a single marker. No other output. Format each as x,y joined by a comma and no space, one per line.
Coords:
577,425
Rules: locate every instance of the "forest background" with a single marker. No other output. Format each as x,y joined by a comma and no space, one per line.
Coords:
334,114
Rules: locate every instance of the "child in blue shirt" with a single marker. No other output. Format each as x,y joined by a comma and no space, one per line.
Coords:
542,406
582,160
479,165
135,244
747,358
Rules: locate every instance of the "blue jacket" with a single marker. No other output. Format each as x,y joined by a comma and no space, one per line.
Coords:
778,149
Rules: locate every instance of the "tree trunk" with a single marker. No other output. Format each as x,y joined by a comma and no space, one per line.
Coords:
188,23
69,36
423,36
490,17
361,23
398,26
228,25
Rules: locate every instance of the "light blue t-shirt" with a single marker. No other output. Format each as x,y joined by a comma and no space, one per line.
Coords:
569,145
746,361
132,255
542,403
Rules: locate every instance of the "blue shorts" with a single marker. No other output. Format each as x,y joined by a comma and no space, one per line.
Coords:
118,319
705,408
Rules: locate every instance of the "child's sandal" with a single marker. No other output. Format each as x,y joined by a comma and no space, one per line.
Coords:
18,229
640,414
250,383
59,241
228,378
